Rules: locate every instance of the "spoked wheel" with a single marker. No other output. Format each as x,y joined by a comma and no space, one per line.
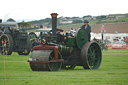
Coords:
69,67
45,56
54,66
6,44
91,55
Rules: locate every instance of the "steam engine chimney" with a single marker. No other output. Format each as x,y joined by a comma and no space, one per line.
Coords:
54,25
0,20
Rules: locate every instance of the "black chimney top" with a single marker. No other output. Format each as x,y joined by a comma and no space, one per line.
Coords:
54,25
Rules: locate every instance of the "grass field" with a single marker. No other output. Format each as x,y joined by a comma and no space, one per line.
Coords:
15,70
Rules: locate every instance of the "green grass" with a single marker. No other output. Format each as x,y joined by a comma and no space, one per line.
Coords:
70,25
15,70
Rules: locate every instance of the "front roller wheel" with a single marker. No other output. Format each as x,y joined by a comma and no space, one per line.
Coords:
91,55
44,55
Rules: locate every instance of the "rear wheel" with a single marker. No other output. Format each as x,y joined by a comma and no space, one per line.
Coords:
28,48
6,44
91,55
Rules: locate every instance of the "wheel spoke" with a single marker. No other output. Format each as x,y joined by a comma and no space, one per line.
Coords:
90,51
92,56
92,62
51,58
89,61
6,44
89,55
4,52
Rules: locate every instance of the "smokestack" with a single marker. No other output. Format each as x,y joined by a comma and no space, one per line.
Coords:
0,20
54,24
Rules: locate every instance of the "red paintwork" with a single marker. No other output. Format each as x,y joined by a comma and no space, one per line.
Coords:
119,46
59,60
41,47
126,40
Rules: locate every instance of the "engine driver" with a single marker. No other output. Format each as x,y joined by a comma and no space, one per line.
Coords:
87,27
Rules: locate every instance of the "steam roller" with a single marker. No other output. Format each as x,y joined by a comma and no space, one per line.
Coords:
58,51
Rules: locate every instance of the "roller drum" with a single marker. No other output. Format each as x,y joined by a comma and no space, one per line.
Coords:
40,61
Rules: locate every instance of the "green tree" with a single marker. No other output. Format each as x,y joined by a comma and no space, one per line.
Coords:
101,17
77,21
87,16
11,20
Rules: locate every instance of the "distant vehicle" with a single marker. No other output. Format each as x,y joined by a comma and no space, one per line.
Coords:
119,45
115,39
38,32
13,40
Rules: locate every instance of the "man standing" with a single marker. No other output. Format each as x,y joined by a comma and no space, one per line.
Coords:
87,27
126,40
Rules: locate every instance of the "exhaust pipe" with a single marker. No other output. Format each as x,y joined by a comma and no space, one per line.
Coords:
0,20
54,25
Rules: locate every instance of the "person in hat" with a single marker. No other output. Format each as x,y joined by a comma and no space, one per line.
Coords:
87,27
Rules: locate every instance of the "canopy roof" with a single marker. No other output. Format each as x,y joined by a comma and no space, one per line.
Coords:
8,24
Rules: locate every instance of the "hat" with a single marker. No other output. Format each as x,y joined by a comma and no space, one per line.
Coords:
86,21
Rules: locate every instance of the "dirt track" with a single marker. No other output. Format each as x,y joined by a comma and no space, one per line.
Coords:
110,27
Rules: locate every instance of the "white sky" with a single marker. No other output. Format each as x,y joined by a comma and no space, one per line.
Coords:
40,9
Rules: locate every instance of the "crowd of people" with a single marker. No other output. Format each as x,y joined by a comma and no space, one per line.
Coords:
126,40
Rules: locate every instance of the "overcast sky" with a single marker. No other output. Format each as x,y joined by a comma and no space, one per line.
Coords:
40,9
